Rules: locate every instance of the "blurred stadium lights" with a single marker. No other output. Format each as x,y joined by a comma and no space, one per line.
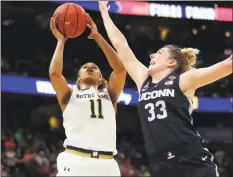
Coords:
194,31
128,27
215,5
203,27
228,52
7,22
228,34
163,33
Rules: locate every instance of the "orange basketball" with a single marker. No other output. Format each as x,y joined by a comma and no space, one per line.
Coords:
70,19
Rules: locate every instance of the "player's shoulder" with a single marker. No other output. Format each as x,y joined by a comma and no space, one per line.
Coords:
186,83
186,78
145,84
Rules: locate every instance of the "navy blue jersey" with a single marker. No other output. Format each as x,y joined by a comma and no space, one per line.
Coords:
165,114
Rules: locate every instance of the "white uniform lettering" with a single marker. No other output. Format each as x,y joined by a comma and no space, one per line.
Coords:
154,94
157,94
162,92
170,92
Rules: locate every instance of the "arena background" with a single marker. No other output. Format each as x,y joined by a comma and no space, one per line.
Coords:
31,131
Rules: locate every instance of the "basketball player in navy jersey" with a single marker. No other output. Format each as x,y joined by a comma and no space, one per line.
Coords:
88,111
166,89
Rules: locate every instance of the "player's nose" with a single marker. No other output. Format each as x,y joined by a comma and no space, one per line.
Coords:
90,68
152,56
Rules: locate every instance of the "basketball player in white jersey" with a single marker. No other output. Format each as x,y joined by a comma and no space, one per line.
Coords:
88,111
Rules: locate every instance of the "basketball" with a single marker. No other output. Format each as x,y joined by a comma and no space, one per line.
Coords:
70,19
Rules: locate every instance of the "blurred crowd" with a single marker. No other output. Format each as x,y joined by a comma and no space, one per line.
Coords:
32,137
27,154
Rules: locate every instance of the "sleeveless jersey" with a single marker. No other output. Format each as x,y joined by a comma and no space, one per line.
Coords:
165,114
89,120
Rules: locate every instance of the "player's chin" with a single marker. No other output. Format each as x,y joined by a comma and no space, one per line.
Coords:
89,80
152,69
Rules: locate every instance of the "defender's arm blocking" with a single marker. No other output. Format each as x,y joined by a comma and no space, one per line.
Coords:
121,45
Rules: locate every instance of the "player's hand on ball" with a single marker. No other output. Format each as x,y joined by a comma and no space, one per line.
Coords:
92,26
103,6
55,31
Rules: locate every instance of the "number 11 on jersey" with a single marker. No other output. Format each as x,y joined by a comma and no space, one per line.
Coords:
99,104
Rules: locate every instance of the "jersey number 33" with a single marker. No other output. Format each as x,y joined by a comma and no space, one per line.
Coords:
161,114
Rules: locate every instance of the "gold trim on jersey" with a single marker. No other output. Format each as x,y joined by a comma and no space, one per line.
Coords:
100,156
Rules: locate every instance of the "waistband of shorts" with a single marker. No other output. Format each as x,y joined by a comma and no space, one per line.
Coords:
89,153
192,148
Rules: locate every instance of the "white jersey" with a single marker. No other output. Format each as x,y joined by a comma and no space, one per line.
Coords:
90,120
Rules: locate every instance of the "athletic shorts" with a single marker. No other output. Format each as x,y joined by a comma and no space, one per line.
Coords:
192,164
74,165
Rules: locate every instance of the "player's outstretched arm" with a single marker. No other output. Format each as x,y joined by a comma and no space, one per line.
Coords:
56,66
135,68
117,78
200,77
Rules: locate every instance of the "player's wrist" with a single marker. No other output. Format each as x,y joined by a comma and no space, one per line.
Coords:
104,13
97,36
61,41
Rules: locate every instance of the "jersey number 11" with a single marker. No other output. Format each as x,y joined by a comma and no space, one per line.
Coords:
93,104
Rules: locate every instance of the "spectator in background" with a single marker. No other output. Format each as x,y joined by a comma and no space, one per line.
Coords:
224,163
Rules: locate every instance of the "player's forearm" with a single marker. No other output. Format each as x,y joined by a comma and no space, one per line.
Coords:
204,76
228,64
114,34
110,53
56,64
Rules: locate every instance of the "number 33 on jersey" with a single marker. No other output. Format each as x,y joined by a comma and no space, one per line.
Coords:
161,114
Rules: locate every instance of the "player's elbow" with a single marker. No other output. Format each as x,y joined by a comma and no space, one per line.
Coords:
53,73
120,44
55,70
121,71
119,68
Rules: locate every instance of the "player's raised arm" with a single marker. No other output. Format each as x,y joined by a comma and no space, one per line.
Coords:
117,78
197,78
120,43
56,66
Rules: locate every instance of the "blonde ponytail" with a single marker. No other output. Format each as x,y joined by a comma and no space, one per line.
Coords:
191,55
186,58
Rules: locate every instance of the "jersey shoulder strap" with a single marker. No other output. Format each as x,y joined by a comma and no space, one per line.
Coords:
146,83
